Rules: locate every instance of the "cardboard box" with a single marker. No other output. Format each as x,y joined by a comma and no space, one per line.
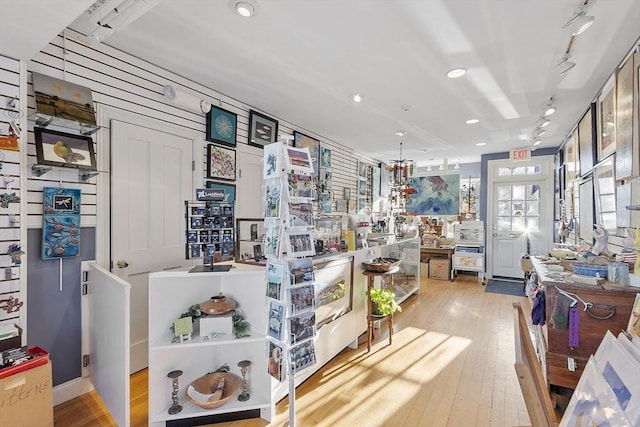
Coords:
439,269
26,398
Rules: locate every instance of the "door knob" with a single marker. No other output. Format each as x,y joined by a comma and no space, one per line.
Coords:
122,264
495,234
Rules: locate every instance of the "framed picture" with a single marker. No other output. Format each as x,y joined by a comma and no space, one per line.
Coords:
221,163
55,148
586,140
570,159
301,140
341,205
325,203
352,206
607,119
346,193
605,194
362,169
362,187
585,214
626,164
375,182
263,130
325,157
221,126
229,190
298,159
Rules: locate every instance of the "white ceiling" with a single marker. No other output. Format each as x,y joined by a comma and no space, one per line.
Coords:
299,60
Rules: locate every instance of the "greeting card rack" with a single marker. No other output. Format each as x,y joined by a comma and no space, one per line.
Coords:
290,277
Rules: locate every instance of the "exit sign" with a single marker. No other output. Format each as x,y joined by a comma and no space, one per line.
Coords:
520,154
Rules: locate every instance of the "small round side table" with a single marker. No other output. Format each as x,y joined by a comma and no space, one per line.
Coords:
371,275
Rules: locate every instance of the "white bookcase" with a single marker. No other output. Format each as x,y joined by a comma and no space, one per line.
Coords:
170,295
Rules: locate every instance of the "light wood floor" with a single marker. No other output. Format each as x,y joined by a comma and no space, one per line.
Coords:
451,364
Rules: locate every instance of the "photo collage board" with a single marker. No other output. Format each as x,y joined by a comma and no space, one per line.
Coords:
290,183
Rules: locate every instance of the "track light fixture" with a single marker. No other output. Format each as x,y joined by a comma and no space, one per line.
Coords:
580,21
549,109
543,122
565,65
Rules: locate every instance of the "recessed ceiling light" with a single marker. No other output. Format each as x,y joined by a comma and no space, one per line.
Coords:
400,133
456,73
472,121
245,9
480,144
356,97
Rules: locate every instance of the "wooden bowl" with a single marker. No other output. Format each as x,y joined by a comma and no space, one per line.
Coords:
205,385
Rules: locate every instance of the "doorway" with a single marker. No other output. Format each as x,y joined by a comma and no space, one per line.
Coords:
151,177
519,213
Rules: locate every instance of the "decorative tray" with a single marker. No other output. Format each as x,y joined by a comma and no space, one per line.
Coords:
381,265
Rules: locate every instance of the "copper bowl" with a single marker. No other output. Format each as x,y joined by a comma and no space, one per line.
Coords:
205,385
218,304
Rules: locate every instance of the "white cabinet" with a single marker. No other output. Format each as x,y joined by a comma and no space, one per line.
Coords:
170,295
469,244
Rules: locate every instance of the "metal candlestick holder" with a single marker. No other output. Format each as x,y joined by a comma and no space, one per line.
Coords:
244,368
175,407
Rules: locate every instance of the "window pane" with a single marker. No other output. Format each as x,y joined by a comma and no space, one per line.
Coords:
533,225
504,208
504,192
504,223
533,208
608,203
504,171
609,220
518,192
520,170
533,192
518,209
534,170
517,223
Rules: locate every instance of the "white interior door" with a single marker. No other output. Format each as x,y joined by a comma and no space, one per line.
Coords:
249,182
520,214
151,177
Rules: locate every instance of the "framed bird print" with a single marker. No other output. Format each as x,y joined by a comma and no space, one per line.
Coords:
55,148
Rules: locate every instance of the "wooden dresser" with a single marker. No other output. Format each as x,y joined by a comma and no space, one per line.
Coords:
591,329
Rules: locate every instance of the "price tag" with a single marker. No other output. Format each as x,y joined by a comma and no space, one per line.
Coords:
574,327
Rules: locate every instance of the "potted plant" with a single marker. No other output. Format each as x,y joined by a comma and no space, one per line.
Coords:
383,302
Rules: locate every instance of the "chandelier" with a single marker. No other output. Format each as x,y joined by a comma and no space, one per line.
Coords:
399,188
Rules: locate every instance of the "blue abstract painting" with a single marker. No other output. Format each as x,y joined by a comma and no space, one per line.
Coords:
435,195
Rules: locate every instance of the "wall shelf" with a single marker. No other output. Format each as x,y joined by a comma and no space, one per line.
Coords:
45,120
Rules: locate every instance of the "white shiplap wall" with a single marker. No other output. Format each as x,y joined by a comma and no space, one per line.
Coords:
10,232
124,82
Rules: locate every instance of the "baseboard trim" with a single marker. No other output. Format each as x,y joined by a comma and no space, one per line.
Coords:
71,389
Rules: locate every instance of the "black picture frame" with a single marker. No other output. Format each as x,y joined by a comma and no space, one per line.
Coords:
263,130
221,163
587,137
54,148
222,126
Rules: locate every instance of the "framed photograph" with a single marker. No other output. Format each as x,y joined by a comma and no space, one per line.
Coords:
341,205
325,157
276,361
604,184
301,140
301,271
607,119
298,159
300,214
302,326
346,193
300,244
586,140
362,187
375,182
325,203
626,164
55,148
585,213
229,190
326,179
301,299
362,169
352,206
570,159
275,326
273,164
385,179
221,163
221,126
263,130
300,186
275,277
302,356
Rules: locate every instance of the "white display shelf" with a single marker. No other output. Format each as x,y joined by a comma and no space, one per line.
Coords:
197,341
189,410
